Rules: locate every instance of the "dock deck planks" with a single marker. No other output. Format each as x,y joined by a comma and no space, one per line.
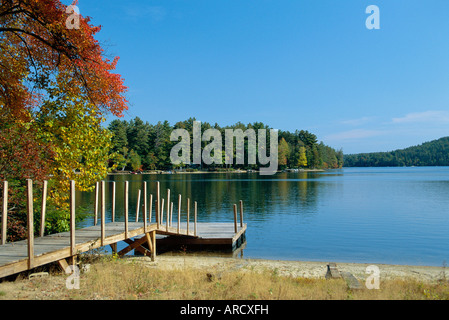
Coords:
52,248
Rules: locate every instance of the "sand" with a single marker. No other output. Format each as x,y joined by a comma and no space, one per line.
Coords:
305,269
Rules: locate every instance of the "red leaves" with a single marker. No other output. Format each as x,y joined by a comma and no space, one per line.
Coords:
35,42
21,155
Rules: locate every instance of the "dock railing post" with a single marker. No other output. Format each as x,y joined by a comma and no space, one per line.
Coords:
113,201
235,218
150,209
126,203
162,212
145,204
72,221
158,203
103,210
241,213
138,205
44,207
4,211
188,214
179,214
97,190
168,209
171,214
195,219
30,223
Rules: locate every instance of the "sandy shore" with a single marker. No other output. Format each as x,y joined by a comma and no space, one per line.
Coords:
305,269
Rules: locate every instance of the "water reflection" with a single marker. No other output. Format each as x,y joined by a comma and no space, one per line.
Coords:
379,215
286,193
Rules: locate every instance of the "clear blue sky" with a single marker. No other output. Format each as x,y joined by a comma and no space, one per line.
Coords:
291,64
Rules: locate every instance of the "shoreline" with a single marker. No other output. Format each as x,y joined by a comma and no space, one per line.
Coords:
204,172
296,269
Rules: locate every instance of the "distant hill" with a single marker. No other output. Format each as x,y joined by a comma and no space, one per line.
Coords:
432,153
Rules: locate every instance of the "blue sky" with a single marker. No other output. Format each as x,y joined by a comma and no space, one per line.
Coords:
291,64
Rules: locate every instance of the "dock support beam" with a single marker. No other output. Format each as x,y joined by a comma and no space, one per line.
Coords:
149,238
151,241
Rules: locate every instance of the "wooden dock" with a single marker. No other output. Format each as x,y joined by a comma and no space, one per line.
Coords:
16,257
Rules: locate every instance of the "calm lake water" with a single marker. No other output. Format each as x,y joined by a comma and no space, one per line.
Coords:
367,215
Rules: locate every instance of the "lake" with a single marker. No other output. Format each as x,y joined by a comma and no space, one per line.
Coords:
366,215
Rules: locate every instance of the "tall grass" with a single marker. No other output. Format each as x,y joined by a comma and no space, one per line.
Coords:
119,279
124,280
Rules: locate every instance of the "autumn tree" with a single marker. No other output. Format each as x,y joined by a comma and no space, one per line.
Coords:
56,83
284,152
302,157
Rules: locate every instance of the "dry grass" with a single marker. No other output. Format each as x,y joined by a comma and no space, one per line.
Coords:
124,280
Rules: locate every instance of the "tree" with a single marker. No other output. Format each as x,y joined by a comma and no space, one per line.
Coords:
56,84
150,161
119,138
40,53
309,139
284,152
302,158
432,153
135,161
138,135
162,144
81,147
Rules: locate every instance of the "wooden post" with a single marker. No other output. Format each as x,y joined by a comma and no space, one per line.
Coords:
30,223
138,206
5,211
162,212
188,214
145,204
103,211
97,190
149,242
151,208
195,212
72,220
235,218
153,239
171,214
167,224
158,203
126,202
168,209
113,201
179,213
44,206
241,213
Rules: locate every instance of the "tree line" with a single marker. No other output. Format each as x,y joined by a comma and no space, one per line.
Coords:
432,153
141,146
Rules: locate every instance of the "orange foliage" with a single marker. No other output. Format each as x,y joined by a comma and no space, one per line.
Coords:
39,52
